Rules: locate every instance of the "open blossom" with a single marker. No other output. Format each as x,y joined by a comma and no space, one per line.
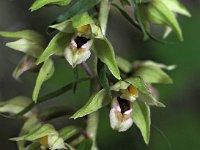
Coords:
79,49
120,114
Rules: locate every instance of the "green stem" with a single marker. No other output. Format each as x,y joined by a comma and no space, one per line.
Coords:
47,97
93,119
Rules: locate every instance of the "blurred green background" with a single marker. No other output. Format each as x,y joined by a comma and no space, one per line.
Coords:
176,127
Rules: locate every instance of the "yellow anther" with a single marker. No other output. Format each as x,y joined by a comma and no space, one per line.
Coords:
133,90
44,141
83,29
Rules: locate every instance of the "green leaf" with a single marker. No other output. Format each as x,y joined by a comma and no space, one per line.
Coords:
25,34
80,20
79,6
102,75
68,132
45,73
105,53
141,117
152,74
85,145
65,26
96,101
26,46
56,45
158,13
40,3
123,64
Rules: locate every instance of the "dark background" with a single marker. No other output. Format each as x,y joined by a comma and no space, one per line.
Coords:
176,126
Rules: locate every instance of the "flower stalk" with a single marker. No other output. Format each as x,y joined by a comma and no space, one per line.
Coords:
93,119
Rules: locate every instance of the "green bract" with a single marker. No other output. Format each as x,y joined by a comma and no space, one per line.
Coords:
26,46
56,45
72,24
40,3
142,119
81,19
45,73
95,102
104,51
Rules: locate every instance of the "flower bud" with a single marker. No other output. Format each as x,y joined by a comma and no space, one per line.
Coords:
120,114
26,63
158,12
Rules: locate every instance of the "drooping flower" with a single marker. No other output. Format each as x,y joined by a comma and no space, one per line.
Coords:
79,49
120,114
46,135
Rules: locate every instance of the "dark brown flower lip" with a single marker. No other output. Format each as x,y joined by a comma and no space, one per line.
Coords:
124,104
80,41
